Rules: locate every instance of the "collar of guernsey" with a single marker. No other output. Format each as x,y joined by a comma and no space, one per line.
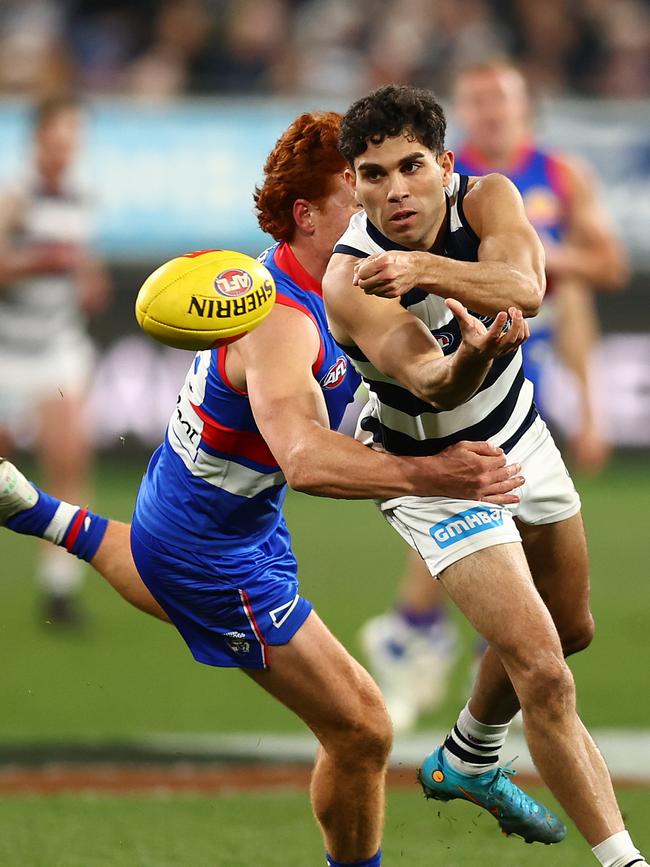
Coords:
214,485
501,410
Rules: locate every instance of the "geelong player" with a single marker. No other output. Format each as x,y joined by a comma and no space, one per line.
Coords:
208,537
428,235
411,649
48,274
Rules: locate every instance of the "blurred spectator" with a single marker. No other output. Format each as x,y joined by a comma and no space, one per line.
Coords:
49,280
29,32
321,48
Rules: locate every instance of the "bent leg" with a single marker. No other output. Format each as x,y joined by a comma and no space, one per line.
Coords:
315,677
557,558
114,562
495,591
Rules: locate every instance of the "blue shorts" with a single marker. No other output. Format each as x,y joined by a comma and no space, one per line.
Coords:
229,609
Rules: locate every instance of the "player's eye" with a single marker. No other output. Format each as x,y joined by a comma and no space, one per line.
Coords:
410,168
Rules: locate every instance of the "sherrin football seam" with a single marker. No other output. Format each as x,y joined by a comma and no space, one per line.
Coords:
199,331
182,276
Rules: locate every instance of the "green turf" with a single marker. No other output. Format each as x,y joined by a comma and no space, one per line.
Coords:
274,830
130,675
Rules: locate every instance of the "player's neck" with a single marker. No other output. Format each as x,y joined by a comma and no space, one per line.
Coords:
312,260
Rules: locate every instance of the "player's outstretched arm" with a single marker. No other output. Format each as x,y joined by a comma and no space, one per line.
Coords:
291,414
590,252
510,270
401,346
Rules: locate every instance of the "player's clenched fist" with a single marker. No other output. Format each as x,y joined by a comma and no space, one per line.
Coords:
389,275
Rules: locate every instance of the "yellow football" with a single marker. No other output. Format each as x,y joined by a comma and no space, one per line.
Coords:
205,299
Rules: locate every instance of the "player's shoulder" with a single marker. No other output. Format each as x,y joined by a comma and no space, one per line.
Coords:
489,192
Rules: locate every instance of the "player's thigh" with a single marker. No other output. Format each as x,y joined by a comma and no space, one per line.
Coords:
315,677
495,591
557,556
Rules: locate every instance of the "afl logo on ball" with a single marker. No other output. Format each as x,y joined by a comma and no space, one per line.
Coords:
233,282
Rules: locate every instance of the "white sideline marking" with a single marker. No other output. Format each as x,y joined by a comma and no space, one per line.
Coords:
626,751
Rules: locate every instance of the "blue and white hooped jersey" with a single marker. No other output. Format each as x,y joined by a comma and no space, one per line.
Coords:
214,484
502,409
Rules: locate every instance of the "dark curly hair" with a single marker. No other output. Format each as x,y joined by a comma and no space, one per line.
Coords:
390,111
303,164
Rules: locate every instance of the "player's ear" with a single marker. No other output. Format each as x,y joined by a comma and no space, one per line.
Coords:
446,163
350,178
302,216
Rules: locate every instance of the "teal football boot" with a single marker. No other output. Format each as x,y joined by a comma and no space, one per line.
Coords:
515,811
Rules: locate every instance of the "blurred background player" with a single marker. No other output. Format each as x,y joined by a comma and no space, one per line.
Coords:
49,274
412,649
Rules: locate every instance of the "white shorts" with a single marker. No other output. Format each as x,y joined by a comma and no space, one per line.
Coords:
27,380
444,531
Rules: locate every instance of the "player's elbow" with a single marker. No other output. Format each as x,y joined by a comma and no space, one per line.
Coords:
299,471
532,296
615,273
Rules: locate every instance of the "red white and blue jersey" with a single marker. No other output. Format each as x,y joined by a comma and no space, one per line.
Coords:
214,485
539,177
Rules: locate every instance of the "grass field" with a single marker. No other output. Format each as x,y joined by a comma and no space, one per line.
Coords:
131,675
187,831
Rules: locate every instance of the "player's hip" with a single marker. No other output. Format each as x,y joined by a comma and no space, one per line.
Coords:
231,608
444,530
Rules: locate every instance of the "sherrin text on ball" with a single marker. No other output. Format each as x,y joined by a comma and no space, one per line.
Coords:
205,299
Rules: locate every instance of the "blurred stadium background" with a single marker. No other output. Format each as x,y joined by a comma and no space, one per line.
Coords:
185,98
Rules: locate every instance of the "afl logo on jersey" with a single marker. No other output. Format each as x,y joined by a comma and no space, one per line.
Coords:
233,283
444,339
336,374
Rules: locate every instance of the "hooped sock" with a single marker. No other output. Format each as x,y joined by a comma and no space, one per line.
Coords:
375,861
618,851
472,747
77,530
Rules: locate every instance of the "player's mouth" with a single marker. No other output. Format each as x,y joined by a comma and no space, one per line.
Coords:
402,218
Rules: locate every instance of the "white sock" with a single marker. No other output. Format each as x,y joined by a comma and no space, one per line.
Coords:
618,851
59,573
472,747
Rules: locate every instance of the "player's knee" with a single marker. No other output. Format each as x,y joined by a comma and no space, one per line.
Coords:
366,733
579,636
548,688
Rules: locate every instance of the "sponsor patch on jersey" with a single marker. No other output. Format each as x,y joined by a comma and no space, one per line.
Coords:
465,524
336,374
233,282
238,642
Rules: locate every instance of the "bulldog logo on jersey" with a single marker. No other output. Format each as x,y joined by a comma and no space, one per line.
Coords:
336,374
233,282
237,642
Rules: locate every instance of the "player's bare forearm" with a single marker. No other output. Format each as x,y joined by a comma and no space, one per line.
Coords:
448,382
327,464
485,287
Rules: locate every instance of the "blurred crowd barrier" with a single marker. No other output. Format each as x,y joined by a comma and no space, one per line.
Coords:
180,177
171,179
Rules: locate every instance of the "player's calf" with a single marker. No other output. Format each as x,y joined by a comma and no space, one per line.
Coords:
26,509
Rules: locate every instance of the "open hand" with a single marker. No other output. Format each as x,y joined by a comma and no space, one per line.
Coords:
507,332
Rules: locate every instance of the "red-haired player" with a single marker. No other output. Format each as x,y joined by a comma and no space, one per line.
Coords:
208,537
